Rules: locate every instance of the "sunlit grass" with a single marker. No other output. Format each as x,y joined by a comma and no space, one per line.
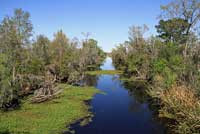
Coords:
50,117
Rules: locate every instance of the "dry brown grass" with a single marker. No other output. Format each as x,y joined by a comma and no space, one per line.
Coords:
181,104
181,95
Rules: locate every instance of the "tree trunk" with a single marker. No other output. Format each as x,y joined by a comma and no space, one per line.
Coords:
13,73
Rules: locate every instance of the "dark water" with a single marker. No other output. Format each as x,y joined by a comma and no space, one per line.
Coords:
123,110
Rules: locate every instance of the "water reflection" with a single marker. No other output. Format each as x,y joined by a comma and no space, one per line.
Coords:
136,89
123,110
107,64
90,80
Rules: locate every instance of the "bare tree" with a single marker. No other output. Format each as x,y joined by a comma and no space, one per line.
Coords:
188,10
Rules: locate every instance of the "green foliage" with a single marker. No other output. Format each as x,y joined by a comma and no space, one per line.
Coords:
15,34
162,63
137,64
25,65
168,65
132,56
41,49
35,66
173,30
3,69
93,54
102,72
170,77
119,56
159,65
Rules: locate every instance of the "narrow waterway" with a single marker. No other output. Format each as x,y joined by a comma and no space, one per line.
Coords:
121,110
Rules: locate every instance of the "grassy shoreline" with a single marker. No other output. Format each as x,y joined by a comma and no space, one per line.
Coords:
49,117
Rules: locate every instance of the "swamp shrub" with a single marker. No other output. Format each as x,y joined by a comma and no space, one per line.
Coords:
180,103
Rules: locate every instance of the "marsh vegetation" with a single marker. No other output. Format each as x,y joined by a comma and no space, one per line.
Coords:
168,63
44,83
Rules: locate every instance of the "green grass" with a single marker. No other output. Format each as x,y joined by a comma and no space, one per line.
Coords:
131,79
49,117
101,72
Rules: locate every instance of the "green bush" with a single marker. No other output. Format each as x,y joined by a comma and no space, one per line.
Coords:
159,65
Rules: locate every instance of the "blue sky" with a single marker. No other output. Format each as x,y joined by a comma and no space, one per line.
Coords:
107,20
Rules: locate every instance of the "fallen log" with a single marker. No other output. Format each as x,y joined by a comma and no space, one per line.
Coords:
47,91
